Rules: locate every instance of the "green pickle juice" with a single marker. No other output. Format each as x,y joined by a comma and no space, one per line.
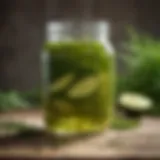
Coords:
81,87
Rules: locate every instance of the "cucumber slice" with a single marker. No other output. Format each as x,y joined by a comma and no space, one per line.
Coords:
135,102
63,106
62,83
84,87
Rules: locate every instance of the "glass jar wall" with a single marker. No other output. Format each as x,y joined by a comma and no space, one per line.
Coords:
78,77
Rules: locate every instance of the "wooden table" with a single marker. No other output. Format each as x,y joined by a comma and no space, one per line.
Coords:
141,142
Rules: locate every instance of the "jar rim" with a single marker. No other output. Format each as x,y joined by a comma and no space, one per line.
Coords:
70,22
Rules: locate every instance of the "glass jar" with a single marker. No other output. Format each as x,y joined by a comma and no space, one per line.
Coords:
78,77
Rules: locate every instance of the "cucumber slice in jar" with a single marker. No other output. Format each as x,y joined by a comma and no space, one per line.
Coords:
84,87
63,106
61,83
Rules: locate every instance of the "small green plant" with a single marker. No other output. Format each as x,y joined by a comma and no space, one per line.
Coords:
33,97
143,66
11,100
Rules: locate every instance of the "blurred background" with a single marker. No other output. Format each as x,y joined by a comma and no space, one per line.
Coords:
135,34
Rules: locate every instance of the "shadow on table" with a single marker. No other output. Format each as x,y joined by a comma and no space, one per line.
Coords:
38,138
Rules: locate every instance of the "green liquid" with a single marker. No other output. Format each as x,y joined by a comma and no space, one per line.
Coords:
80,93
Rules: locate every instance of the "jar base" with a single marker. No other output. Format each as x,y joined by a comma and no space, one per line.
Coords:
74,127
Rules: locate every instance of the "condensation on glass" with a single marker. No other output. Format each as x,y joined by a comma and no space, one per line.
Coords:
78,77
